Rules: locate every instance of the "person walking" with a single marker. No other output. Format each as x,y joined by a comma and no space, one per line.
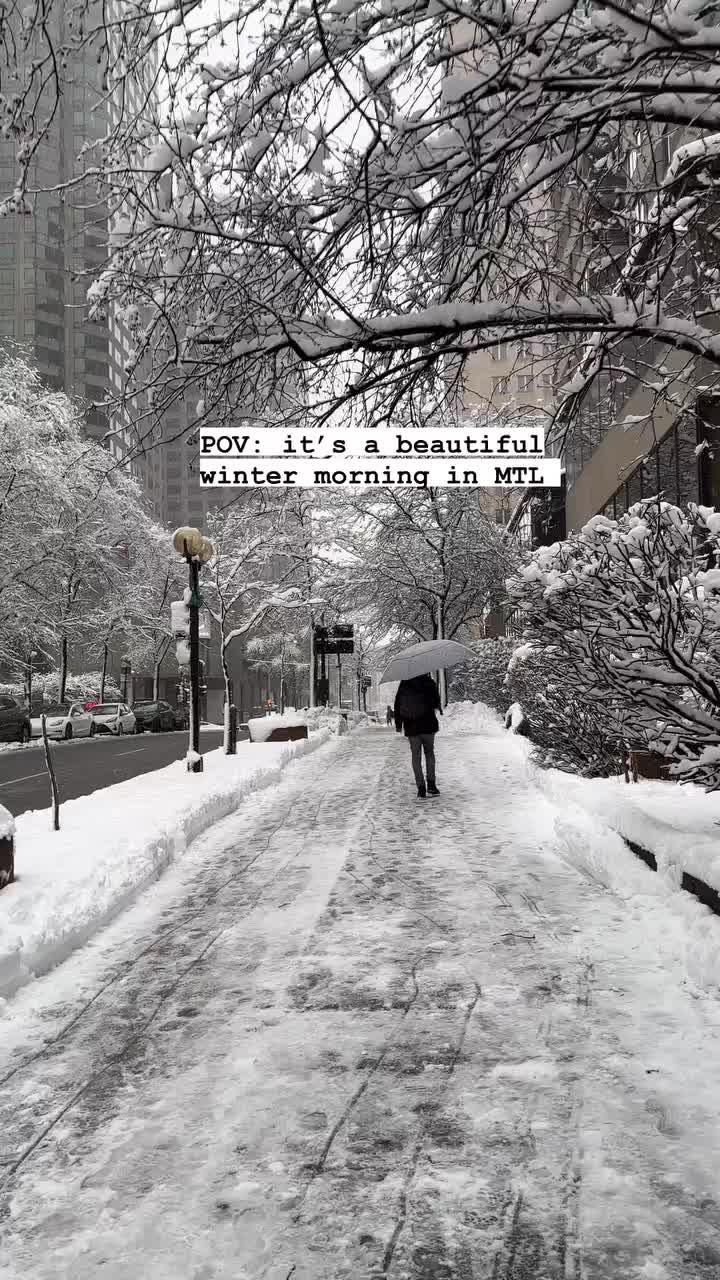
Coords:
416,703
389,716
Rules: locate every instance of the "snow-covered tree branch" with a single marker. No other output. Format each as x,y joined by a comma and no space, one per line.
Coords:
335,205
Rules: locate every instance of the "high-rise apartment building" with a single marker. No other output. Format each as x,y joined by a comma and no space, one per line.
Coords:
50,253
649,422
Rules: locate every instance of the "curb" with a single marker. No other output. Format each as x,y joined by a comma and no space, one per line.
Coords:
705,893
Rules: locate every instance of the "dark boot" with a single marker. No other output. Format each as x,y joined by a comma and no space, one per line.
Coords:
432,789
421,793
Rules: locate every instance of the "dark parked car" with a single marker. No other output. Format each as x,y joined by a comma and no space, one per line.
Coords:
7,847
14,720
155,716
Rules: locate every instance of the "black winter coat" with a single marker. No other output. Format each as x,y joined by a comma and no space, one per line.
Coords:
416,702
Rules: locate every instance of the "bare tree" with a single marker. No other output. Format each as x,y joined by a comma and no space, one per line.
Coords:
428,561
255,583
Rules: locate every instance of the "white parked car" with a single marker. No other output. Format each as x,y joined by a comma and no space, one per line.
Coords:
65,721
113,717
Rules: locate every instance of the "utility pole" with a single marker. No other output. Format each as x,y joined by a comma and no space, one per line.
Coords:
195,762
195,550
32,654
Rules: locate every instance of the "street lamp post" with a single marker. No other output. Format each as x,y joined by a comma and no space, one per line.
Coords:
125,668
195,550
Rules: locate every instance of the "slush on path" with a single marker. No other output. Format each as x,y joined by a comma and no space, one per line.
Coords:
351,1035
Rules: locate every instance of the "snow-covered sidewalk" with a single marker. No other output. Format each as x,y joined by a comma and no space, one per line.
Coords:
111,844
357,1035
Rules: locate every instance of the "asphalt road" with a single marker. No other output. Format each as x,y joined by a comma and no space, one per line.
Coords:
89,764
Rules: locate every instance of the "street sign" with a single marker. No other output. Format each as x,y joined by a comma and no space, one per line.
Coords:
180,618
204,632
182,653
337,639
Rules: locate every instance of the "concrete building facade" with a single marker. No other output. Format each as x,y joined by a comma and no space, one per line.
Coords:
653,430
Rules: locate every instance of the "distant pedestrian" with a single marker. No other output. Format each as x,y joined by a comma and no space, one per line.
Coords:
389,717
416,703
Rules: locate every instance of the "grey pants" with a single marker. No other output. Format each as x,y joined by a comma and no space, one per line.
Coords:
420,742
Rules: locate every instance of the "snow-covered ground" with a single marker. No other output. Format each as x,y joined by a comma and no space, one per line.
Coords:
352,1034
111,844
679,824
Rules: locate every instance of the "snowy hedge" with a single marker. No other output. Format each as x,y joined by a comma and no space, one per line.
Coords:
483,680
623,619
567,733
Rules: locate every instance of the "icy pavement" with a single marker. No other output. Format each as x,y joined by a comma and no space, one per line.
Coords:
359,1035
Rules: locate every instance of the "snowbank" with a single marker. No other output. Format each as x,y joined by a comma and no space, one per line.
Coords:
7,823
111,845
585,821
335,720
262,726
329,718
677,823
471,717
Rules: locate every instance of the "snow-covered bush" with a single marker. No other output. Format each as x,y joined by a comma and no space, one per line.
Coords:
483,680
566,732
624,621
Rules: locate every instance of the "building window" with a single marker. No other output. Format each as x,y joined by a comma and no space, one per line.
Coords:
668,480
688,468
708,433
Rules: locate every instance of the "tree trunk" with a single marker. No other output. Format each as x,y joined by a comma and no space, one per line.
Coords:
311,669
103,674
156,680
63,668
228,743
51,772
305,521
